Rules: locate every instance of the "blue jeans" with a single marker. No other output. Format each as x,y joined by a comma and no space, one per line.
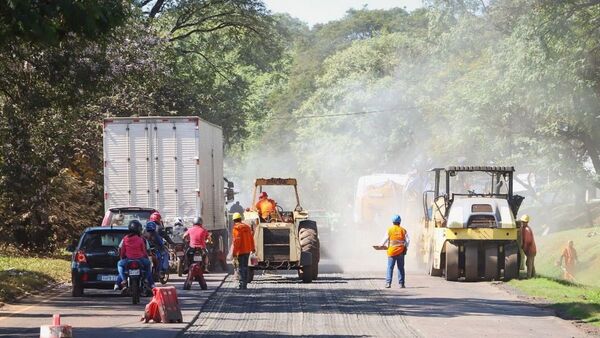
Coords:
399,261
122,265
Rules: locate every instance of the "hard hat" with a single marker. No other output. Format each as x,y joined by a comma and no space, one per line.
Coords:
197,220
263,195
155,217
396,219
237,215
525,218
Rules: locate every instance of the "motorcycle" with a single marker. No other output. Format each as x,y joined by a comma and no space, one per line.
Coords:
195,269
178,257
137,284
157,273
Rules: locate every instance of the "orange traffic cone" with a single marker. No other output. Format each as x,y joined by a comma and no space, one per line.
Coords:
56,330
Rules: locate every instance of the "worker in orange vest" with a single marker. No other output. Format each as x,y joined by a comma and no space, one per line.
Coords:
397,241
265,206
569,254
242,246
529,247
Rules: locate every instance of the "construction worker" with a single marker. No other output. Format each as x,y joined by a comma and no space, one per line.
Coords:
569,254
397,241
529,247
242,246
265,206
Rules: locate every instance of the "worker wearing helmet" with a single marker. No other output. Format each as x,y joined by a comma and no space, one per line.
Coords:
133,247
397,241
265,206
197,236
529,247
242,246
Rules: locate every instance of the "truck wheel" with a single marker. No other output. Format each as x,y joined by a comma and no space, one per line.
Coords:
511,261
471,262
452,270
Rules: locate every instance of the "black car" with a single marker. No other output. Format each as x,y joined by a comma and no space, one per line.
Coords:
95,257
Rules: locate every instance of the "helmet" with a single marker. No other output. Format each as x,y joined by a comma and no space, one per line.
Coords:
197,220
237,215
178,221
396,219
150,226
263,195
155,217
135,226
525,218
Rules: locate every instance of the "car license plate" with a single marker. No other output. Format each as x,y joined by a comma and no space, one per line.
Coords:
197,258
179,253
135,272
107,278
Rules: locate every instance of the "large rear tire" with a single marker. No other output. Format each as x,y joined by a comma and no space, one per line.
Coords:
471,262
309,242
511,261
452,269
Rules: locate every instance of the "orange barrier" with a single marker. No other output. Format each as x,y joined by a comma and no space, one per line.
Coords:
164,306
56,330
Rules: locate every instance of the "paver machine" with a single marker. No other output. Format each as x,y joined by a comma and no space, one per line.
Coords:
470,230
286,239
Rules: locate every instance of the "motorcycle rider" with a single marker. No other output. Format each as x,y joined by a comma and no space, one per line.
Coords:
133,247
197,236
160,227
156,241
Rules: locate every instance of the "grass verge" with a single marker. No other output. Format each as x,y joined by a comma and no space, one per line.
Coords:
21,275
571,301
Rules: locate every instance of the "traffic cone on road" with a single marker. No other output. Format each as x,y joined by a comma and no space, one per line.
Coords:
56,330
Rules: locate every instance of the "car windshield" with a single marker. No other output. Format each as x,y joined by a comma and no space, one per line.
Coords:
102,241
123,217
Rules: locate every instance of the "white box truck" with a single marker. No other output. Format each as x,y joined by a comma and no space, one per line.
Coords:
170,164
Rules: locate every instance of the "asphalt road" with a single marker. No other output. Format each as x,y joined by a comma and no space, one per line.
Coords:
100,313
357,305
278,305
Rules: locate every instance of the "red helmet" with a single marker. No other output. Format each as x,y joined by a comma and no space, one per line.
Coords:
263,195
155,217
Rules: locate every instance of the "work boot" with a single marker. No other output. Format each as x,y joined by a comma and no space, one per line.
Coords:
387,285
402,286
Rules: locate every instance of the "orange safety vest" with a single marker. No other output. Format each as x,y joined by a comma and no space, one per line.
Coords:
243,241
397,240
265,207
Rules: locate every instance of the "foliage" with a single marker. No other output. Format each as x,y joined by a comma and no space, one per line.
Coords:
21,275
571,301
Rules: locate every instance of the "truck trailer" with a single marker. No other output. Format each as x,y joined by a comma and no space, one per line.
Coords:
171,164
